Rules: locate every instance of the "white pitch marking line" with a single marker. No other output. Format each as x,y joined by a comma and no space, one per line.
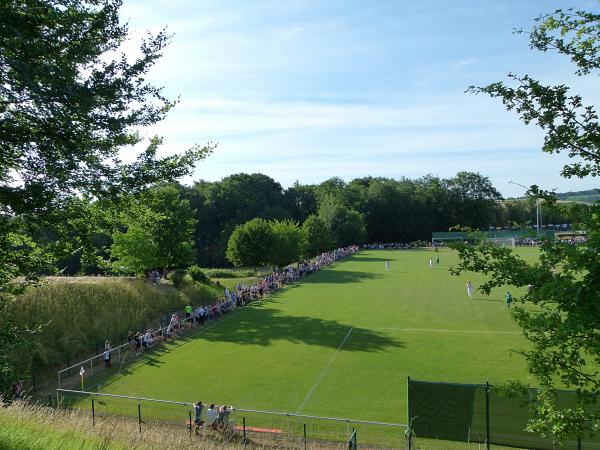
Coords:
322,374
425,330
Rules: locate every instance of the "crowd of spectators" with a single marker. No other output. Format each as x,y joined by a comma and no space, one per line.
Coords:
395,245
239,296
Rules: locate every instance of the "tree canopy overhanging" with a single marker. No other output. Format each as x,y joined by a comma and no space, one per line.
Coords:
70,104
560,310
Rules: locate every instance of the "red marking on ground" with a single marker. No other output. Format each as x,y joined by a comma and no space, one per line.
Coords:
260,430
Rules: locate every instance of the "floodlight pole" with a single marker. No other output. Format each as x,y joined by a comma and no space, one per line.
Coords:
538,216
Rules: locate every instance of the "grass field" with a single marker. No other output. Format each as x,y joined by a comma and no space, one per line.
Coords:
342,342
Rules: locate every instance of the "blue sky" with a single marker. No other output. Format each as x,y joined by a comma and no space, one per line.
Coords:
307,90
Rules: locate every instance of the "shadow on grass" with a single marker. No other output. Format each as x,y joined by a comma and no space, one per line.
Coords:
263,326
488,299
338,277
369,259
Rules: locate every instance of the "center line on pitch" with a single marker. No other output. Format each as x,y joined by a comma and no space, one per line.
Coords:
322,374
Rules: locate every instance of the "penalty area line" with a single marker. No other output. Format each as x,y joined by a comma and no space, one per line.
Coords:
323,372
425,330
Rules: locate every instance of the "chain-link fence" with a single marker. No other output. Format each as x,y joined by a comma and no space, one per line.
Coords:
261,427
468,416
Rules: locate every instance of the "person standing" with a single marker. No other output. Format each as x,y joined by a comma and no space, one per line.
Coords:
470,290
17,390
131,341
430,263
106,357
188,314
198,407
508,298
211,416
387,265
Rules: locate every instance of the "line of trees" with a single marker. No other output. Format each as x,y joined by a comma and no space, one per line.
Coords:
369,209
169,225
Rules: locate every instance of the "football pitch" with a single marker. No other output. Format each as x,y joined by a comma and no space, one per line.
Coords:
341,342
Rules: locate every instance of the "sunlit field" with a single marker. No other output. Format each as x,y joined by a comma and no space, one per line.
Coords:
341,343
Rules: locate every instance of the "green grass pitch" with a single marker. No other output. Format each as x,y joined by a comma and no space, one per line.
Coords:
342,342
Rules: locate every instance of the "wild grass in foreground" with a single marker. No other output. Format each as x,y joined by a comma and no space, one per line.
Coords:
24,427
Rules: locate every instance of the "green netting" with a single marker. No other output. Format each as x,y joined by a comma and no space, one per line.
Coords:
442,411
457,412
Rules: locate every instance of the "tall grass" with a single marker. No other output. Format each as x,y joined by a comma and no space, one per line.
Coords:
79,314
24,426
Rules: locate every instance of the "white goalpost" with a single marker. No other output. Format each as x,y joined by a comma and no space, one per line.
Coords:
503,242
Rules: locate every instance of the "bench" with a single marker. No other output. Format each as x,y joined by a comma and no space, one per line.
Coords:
258,430
241,429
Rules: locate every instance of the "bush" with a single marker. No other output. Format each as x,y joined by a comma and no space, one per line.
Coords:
201,294
198,275
180,278
229,273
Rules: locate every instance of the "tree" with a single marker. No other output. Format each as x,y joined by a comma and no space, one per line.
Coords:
223,205
159,233
301,201
317,237
390,211
67,107
473,200
287,242
69,103
251,244
562,326
348,228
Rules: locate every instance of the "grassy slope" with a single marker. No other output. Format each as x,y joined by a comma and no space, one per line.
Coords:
283,354
25,427
82,312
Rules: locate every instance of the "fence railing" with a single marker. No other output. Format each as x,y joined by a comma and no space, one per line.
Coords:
119,354
259,425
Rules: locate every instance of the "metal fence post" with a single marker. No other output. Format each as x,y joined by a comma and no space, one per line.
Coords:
410,418
93,413
190,411
487,415
140,416
304,436
50,400
244,428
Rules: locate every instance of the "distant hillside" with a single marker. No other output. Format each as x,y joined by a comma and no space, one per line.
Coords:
590,196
